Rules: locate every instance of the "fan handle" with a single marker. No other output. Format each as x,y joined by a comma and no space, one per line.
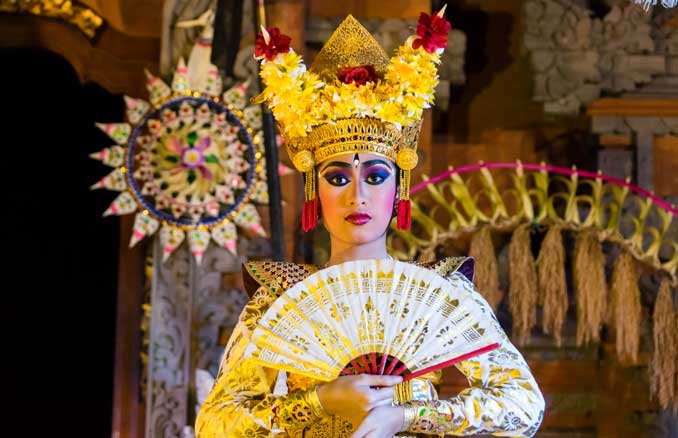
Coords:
391,365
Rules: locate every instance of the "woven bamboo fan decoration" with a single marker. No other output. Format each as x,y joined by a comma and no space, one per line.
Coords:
375,317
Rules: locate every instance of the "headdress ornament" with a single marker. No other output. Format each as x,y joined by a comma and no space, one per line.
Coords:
352,99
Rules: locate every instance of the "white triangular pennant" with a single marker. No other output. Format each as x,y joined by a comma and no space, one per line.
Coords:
136,109
170,239
198,241
252,115
113,181
260,192
249,219
226,236
158,90
123,204
113,156
180,80
213,84
119,132
236,95
144,225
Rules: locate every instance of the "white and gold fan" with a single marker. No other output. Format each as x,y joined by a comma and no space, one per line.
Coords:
374,317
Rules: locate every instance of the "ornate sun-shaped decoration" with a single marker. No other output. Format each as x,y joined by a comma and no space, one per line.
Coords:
190,163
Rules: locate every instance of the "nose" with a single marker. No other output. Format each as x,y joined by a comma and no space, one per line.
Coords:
357,196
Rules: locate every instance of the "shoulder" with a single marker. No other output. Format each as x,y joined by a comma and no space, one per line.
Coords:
449,265
276,277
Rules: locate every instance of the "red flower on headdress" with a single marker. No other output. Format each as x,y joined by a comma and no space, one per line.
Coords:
432,31
358,75
270,42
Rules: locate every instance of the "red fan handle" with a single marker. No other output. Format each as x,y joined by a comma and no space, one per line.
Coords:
385,364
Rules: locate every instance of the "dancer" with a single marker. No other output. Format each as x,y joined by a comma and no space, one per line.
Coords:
351,124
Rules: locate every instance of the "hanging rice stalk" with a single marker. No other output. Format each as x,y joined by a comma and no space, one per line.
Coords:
486,278
625,313
664,357
590,286
552,284
523,287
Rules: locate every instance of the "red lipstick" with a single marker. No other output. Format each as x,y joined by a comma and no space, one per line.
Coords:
358,218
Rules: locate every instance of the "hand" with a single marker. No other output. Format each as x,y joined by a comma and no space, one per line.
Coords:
353,397
381,422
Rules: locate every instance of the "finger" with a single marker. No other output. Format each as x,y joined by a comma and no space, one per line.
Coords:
377,395
374,380
388,402
364,428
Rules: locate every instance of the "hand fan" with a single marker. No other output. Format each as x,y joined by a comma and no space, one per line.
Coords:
373,317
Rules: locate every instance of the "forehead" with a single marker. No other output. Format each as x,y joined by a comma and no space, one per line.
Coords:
349,156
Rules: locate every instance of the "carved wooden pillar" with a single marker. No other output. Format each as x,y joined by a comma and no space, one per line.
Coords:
128,414
290,17
644,119
169,344
189,307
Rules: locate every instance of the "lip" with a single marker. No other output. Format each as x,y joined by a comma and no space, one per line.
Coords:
358,218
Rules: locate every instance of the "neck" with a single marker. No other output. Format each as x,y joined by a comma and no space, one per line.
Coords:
342,252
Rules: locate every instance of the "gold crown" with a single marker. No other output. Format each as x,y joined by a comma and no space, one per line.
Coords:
356,135
353,98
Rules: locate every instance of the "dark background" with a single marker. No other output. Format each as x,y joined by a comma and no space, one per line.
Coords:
60,256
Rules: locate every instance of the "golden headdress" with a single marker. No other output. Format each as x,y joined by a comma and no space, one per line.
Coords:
352,99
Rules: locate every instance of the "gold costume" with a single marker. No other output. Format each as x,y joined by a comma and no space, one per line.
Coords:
253,401
355,99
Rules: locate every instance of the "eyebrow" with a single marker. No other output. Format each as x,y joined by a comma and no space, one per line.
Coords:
375,162
336,163
346,165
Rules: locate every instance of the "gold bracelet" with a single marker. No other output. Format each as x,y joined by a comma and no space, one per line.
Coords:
409,412
314,402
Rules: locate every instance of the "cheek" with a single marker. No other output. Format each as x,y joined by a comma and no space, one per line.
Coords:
385,201
329,198
325,195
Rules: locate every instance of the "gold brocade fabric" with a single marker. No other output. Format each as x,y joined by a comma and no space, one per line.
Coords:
251,401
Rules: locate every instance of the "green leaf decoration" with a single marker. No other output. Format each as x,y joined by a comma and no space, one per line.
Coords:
192,137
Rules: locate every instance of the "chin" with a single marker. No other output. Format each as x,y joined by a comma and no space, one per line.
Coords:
359,235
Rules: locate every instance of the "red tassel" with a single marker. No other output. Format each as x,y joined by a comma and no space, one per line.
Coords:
404,214
305,213
309,215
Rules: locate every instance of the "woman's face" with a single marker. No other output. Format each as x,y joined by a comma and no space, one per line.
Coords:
356,196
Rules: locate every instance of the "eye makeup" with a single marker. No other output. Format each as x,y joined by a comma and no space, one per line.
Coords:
336,177
376,174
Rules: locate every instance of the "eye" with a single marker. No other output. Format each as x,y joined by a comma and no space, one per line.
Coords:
337,179
376,178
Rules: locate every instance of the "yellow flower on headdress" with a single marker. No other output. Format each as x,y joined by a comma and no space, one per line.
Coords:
299,97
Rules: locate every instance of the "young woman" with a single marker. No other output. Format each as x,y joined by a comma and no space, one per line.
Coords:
356,154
